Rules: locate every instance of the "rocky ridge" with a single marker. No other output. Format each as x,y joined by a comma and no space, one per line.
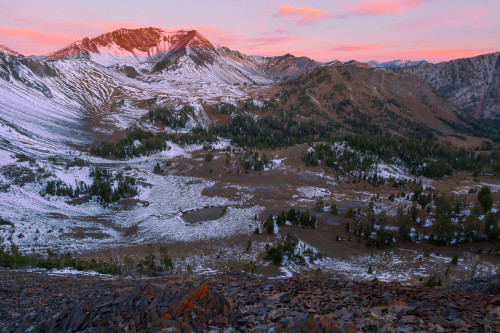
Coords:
153,50
6,50
471,83
237,302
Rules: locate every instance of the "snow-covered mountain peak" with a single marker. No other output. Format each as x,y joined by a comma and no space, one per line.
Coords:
132,46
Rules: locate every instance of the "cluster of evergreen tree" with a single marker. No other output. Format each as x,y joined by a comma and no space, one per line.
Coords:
338,157
274,131
372,227
252,160
268,225
139,142
421,198
297,217
451,224
13,258
102,186
225,108
302,219
105,187
61,189
168,116
287,248
475,127
421,156
156,262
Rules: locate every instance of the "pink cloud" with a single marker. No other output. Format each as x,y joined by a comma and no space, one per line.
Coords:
301,14
262,41
34,35
382,7
29,41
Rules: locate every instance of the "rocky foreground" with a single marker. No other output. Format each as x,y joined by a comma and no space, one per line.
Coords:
37,302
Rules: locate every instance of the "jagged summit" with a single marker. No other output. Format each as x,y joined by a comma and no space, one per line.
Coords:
6,50
133,46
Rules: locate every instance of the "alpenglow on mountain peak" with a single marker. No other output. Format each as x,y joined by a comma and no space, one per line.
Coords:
180,55
132,45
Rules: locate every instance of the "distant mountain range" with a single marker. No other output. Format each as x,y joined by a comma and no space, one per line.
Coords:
397,63
181,54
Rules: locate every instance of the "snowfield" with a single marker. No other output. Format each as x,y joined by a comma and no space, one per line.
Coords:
51,222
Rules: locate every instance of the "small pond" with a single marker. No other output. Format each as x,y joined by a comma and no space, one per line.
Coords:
204,214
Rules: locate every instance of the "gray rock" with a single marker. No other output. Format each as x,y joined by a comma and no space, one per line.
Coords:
439,320
388,296
367,325
401,309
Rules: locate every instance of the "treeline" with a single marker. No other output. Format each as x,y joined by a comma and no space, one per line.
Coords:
242,106
350,162
424,157
156,262
139,142
489,128
105,187
418,149
13,258
273,131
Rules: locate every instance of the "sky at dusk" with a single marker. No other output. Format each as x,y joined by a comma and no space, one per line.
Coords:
324,30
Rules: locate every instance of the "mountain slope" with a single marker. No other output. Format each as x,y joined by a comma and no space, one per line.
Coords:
123,46
359,97
33,117
471,83
278,68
